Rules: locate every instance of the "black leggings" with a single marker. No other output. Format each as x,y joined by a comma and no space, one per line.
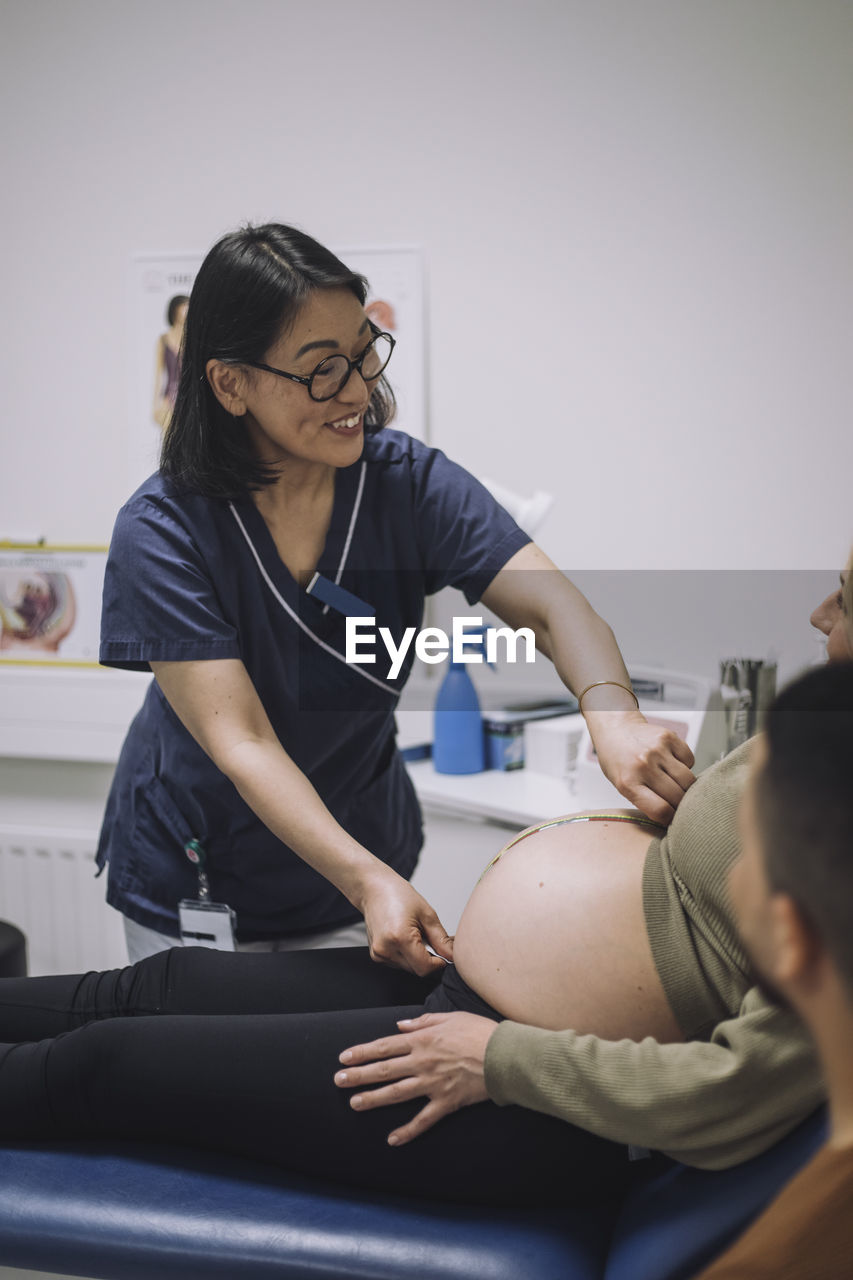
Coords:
236,1053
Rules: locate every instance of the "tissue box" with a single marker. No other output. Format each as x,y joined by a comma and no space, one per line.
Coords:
552,746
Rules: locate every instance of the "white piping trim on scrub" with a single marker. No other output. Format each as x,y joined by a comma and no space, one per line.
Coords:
295,616
355,508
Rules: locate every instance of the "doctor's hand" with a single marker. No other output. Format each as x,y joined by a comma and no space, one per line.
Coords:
400,923
650,765
438,1056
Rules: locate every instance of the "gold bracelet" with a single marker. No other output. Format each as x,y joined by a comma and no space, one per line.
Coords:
595,684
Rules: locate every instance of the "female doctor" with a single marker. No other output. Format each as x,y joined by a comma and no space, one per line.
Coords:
282,504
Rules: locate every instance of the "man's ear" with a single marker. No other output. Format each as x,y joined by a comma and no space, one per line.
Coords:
227,384
797,951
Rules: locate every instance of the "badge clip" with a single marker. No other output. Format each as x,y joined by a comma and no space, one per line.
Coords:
336,597
204,923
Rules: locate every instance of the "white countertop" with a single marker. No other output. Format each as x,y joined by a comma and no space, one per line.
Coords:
517,797
66,713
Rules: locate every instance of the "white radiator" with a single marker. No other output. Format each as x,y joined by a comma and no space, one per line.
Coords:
48,889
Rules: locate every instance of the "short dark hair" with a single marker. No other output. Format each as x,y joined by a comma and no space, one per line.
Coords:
172,309
248,291
804,804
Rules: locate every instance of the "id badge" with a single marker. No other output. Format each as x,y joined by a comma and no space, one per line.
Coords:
207,924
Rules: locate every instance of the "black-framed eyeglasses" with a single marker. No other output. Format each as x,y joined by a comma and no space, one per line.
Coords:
333,373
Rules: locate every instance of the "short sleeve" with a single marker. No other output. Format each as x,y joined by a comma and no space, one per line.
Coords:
464,535
159,601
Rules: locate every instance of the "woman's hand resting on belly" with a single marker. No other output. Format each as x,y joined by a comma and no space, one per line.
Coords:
438,1056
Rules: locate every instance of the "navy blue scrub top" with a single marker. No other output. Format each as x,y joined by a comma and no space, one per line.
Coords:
190,577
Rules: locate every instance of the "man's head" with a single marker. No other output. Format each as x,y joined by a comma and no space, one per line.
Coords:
793,886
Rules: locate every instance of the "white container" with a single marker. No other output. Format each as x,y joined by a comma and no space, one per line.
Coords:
562,748
551,746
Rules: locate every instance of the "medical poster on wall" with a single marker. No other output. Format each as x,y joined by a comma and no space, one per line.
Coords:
396,304
50,604
160,285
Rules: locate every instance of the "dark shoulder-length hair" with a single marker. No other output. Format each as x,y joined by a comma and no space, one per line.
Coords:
248,290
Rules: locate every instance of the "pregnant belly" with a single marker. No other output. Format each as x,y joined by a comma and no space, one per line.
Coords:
554,934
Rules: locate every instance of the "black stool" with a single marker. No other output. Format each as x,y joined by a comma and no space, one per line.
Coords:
13,952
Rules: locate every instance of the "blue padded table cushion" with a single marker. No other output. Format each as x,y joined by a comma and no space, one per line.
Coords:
130,1212
673,1225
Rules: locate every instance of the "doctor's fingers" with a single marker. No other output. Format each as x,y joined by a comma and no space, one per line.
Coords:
398,920
658,800
651,805
409,953
670,781
658,786
402,943
657,797
427,928
669,753
656,745
437,937
681,751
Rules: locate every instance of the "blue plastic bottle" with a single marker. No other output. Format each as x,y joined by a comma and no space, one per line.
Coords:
458,739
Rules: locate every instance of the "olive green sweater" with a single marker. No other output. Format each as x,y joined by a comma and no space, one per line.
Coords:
748,1072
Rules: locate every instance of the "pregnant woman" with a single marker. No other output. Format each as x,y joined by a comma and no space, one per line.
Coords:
611,927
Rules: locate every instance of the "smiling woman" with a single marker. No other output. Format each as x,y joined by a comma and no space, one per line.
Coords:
284,425
284,502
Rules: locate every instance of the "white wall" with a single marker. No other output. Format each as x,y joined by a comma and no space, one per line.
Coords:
635,216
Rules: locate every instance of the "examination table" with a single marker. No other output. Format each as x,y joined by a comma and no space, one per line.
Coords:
122,1211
